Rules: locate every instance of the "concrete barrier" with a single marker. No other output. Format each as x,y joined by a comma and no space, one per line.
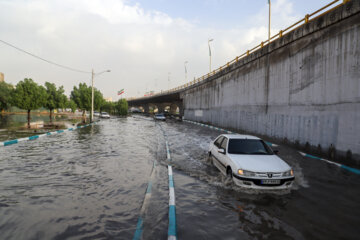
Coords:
303,88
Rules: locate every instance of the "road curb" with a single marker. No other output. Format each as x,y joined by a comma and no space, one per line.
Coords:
15,141
223,130
350,169
140,222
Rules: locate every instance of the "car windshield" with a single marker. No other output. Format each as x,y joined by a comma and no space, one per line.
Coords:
248,146
159,115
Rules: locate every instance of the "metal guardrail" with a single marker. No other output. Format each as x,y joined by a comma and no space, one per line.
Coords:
308,17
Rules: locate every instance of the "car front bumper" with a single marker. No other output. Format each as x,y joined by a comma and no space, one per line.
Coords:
285,183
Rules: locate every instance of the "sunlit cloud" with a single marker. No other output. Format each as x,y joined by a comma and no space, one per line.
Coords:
138,45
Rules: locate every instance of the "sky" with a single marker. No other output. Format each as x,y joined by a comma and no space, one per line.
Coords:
145,43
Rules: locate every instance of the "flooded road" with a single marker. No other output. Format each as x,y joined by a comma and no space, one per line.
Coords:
90,184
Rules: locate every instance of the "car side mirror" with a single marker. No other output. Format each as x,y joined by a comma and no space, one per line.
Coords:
221,150
276,152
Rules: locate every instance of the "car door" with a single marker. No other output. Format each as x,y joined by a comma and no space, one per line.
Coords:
223,156
216,147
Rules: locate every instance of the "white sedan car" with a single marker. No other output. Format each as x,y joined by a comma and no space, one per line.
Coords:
250,162
104,115
160,116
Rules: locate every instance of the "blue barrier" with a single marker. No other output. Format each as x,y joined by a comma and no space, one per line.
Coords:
140,223
350,169
34,137
10,142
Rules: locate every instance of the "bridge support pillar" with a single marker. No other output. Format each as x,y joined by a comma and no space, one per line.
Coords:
161,108
146,108
174,106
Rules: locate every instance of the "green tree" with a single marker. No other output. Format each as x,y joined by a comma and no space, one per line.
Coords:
82,97
122,107
5,95
55,98
72,105
29,95
108,107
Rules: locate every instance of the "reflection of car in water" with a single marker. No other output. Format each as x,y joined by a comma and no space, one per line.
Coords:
104,115
135,110
250,162
160,116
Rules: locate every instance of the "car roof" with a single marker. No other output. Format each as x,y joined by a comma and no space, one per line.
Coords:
240,136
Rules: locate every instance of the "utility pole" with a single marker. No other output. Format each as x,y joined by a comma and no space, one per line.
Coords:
92,96
169,80
185,71
210,40
269,18
92,92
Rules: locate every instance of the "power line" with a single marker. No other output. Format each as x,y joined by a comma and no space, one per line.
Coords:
33,55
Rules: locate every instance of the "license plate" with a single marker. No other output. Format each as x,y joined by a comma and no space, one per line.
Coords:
270,181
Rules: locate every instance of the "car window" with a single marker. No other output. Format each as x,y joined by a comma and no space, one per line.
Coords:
218,141
248,146
224,144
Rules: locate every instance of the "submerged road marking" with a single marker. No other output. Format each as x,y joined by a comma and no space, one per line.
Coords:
140,223
14,141
350,169
172,208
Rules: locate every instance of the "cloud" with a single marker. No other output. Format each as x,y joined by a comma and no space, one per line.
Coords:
138,45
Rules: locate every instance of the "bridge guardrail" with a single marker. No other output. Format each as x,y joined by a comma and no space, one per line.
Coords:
307,18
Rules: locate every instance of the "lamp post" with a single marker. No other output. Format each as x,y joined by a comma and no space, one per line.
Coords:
185,71
210,40
169,73
93,74
269,1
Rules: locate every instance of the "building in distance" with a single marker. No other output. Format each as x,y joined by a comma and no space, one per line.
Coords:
108,99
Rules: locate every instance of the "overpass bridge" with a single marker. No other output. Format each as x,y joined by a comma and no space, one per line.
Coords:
301,87
170,100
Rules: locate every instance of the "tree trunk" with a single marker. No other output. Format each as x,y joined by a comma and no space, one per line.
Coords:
84,116
29,118
51,115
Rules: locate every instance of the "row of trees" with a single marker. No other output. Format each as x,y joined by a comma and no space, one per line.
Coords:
28,95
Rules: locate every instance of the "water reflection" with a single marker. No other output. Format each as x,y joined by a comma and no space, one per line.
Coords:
90,184
13,126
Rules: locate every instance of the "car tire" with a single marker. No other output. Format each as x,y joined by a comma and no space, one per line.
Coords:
229,173
210,158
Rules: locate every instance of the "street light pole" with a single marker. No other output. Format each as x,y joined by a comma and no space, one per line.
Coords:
92,96
210,40
169,80
269,18
185,71
92,92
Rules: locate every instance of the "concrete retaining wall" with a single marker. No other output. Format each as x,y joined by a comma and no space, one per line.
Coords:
304,87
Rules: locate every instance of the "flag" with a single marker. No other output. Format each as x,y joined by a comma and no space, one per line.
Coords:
121,92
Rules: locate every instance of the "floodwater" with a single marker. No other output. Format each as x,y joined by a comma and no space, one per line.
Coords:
13,126
90,184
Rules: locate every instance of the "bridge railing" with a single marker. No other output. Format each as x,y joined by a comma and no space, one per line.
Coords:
307,18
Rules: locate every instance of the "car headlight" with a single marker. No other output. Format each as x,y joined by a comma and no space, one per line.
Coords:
288,173
246,173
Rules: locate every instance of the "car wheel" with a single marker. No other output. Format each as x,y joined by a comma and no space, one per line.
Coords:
229,173
210,159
